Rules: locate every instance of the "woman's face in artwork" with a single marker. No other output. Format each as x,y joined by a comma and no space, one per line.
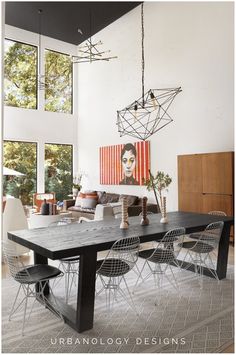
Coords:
128,163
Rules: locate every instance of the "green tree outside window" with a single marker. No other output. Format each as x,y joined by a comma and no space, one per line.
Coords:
22,157
20,75
58,80
59,170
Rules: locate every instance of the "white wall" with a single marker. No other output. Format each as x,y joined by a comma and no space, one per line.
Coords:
188,44
38,125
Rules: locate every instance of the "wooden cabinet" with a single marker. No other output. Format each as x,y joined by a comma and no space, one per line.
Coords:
205,182
217,173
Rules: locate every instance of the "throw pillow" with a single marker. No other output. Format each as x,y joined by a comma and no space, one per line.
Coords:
100,195
91,195
131,199
88,202
78,201
109,197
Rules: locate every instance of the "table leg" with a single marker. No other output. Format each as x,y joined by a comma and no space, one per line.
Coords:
86,291
39,259
223,251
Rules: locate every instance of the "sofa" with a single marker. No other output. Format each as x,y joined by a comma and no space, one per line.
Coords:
79,208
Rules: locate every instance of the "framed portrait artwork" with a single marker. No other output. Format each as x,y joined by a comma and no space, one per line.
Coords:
125,164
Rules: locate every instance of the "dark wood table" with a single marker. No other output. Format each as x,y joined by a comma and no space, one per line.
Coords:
87,239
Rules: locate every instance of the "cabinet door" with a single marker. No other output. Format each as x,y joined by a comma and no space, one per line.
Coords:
190,173
217,173
190,202
214,202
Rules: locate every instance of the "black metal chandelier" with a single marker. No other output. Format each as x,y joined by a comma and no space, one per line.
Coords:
147,115
90,52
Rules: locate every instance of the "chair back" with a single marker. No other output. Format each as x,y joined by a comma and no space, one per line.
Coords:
14,218
217,213
38,199
16,267
122,256
169,246
211,235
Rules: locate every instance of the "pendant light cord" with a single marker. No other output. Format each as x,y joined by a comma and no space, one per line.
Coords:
143,64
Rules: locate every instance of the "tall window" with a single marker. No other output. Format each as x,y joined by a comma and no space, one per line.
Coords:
59,169
20,75
21,157
58,79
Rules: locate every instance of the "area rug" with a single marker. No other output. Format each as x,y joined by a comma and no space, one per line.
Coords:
193,319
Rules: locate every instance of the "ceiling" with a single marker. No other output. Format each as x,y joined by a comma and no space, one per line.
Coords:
61,20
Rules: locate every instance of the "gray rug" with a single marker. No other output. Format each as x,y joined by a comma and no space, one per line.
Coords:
193,320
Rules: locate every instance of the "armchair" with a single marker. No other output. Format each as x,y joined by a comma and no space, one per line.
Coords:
14,218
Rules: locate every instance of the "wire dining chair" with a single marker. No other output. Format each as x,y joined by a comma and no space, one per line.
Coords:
120,259
162,257
69,266
199,250
198,235
33,281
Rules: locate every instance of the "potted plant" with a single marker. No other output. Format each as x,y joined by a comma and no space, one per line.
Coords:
159,183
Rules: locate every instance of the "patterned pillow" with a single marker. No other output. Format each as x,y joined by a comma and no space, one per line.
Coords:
109,197
131,199
100,195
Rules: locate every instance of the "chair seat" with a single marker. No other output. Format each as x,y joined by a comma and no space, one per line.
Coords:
197,247
202,236
72,259
160,256
112,267
36,273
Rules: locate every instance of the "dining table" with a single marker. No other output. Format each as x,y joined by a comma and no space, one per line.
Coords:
87,239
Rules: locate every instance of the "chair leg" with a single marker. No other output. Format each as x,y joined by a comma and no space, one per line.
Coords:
129,299
44,299
12,311
175,280
212,271
139,276
187,254
137,271
25,308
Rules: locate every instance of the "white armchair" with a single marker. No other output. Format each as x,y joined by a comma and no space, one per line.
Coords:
14,218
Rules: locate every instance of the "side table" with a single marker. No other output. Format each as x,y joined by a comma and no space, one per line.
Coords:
37,220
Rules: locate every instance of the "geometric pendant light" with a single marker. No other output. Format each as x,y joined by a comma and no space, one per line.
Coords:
148,114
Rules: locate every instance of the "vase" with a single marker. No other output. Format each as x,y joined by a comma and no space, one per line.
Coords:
44,210
163,211
124,210
75,192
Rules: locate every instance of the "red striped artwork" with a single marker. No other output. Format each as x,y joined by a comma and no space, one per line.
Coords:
124,164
